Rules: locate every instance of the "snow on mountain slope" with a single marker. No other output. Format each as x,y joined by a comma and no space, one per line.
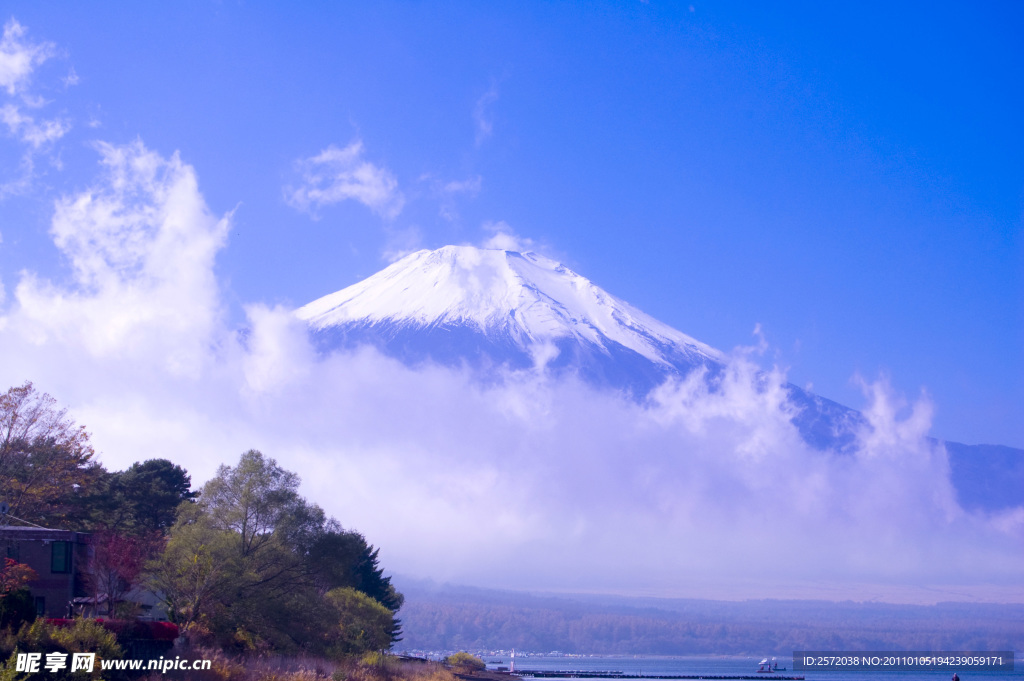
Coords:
522,299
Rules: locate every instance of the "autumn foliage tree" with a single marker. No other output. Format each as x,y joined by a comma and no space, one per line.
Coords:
46,461
118,565
16,604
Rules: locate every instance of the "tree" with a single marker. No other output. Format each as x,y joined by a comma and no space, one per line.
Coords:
363,624
344,558
46,461
14,576
196,570
253,562
236,562
16,603
118,563
259,501
143,498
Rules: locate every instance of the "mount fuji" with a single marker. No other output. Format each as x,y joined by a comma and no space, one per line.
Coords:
491,309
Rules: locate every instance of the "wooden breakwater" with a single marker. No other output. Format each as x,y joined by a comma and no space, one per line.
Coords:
560,674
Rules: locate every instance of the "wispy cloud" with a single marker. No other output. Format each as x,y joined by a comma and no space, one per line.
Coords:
402,242
482,115
449,193
26,128
342,174
503,237
19,59
470,186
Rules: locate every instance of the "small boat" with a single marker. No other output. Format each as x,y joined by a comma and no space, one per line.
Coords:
769,667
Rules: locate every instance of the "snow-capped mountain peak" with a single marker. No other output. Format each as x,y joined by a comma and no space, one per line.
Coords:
520,298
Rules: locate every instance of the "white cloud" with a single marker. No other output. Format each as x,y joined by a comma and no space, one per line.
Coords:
564,486
33,133
141,244
503,237
277,354
559,485
336,175
19,57
482,117
470,186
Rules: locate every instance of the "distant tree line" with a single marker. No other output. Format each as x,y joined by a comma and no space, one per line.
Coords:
245,563
447,622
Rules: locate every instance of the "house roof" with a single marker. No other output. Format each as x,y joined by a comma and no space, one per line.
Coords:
40,533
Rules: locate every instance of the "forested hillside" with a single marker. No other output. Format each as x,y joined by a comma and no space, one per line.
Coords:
451,618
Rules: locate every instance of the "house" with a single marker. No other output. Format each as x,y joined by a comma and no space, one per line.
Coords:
60,558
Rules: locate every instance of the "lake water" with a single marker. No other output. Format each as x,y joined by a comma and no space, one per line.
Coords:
733,665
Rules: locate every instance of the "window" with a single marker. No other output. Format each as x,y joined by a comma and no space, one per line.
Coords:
12,551
60,558
40,606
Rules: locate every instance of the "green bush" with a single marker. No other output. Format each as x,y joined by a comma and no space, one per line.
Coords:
465,662
379,660
84,636
362,624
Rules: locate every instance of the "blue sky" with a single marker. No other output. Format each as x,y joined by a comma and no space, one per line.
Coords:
850,178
